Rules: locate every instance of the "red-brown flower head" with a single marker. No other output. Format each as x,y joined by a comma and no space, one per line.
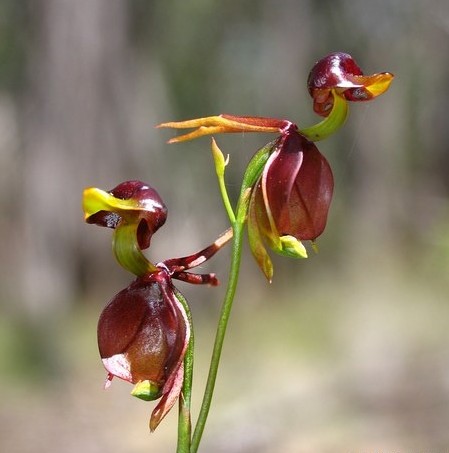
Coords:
131,202
290,201
338,73
143,334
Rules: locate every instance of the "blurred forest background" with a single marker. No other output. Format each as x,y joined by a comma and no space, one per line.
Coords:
347,351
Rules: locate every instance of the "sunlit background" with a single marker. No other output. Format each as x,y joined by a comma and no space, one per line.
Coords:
345,352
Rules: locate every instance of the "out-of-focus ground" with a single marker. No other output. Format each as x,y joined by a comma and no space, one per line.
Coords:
347,351
351,362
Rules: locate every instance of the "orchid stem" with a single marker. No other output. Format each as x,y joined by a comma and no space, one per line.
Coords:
252,174
220,335
184,418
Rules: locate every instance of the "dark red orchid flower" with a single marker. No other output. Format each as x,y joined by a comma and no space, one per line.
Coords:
144,331
131,202
290,201
338,74
143,334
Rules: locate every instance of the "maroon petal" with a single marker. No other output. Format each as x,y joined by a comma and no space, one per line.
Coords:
143,331
299,188
339,73
149,212
280,172
333,71
152,210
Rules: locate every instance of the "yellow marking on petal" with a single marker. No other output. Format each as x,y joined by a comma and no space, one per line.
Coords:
95,200
379,83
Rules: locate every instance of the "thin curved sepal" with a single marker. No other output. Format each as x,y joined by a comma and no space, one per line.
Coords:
224,124
176,265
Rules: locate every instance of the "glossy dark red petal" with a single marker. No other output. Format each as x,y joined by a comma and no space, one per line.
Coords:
299,188
333,71
144,324
150,212
105,219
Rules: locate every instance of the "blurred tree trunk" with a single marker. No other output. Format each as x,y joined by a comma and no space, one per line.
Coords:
74,110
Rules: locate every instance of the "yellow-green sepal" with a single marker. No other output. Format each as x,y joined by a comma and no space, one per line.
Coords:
127,251
331,123
146,390
96,200
291,247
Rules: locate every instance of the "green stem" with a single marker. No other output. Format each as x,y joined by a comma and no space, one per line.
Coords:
251,176
220,335
184,420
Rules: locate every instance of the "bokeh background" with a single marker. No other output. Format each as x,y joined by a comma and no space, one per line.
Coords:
347,351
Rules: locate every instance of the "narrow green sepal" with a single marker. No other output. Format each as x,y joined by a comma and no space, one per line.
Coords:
146,390
257,164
